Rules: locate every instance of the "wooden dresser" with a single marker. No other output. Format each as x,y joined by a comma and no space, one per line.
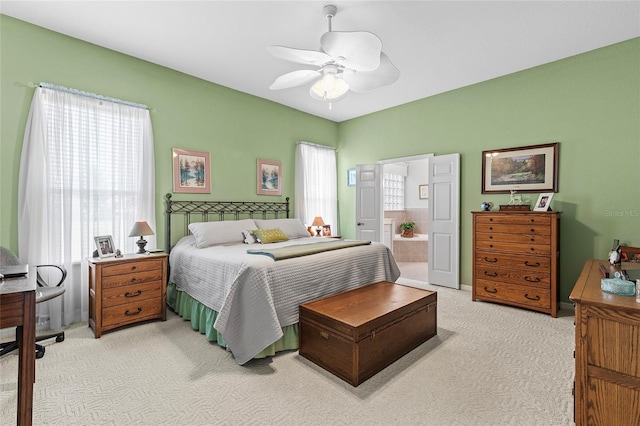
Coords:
127,290
516,259
607,375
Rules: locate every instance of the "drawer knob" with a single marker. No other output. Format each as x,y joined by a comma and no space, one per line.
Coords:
133,268
491,228
532,280
136,294
324,335
533,230
133,280
491,237
127,313
532,298
495,290
495,274
533,240
494,260
533,265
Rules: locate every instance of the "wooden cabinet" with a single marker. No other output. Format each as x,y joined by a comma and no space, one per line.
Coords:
607,369
126,290
516,259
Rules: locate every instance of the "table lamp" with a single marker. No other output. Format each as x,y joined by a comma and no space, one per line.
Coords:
318,223
141,229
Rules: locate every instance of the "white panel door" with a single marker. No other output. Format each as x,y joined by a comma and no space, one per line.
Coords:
368,212
444,221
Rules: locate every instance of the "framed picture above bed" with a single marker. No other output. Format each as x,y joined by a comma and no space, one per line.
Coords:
269,177
524,169
191,171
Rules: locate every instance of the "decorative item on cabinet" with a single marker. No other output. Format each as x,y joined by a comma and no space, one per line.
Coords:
516,259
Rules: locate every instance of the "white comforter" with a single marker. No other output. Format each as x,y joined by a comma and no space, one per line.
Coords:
256,296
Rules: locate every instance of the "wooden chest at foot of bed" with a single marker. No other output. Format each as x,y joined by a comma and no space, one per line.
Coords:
356,334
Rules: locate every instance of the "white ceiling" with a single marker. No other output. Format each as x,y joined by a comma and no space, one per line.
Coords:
437,45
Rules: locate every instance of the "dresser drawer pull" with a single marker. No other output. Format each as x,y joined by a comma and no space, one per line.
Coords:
324,335
495,274
534,265
532,280
533,230
133,280
127,313
495,290
494,260
136,294
531,298
133,268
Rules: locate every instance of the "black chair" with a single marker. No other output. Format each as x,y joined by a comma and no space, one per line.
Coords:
44,292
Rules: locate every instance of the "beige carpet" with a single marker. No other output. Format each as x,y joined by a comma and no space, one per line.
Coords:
489,365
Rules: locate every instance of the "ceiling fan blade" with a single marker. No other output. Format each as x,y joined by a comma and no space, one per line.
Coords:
365,81
359,50
295,78
300,56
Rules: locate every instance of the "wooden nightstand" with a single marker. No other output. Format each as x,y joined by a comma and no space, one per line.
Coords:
127,290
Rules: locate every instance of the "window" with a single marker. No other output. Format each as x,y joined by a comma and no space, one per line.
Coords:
87,169
393,185
316,184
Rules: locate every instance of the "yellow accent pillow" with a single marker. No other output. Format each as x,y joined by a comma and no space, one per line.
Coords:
266,236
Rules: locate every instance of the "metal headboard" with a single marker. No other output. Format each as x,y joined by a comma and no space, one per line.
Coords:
205,211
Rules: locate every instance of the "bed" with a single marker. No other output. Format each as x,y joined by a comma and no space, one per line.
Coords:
244,294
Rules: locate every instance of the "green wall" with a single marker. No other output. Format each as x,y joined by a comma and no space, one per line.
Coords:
590,103
190,113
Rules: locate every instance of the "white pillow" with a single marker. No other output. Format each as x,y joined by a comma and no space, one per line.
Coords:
213,233
292,227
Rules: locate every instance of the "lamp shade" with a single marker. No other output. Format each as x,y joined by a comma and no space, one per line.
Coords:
140,229
317,221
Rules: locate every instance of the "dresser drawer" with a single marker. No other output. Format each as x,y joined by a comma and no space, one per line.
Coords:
514,276
513,229
133,278
131,312
131,293
520,261
130,267
514,294
515,219
513,237
539,249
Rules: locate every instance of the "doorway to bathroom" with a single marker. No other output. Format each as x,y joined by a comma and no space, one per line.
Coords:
405,183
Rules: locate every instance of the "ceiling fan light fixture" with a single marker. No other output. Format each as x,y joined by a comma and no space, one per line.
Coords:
330,87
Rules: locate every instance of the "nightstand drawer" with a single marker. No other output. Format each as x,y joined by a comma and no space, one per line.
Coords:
133,278
130,267
131,293
131,312
514,219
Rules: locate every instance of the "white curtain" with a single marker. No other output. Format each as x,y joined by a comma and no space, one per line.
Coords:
316,186
87,169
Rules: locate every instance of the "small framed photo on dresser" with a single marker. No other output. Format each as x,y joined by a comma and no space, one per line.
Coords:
544,202
104,246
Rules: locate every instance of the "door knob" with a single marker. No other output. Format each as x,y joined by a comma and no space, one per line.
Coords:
360,223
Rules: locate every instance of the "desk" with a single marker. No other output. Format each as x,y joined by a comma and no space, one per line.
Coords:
18,309
607,365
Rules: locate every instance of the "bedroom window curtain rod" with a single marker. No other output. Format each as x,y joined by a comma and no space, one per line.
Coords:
89,95
318,145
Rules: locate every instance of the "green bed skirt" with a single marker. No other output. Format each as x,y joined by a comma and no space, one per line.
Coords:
202,319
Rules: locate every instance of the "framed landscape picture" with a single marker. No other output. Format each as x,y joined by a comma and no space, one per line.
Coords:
269,177
523,169
191,171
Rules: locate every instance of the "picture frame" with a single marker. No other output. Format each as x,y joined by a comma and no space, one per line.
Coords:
269,177
191,171
104,246
351,177
544,202
531,168
423,191
326,230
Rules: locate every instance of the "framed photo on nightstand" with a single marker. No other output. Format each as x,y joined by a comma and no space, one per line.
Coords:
104,245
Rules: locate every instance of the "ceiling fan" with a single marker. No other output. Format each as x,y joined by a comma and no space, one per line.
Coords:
349,60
